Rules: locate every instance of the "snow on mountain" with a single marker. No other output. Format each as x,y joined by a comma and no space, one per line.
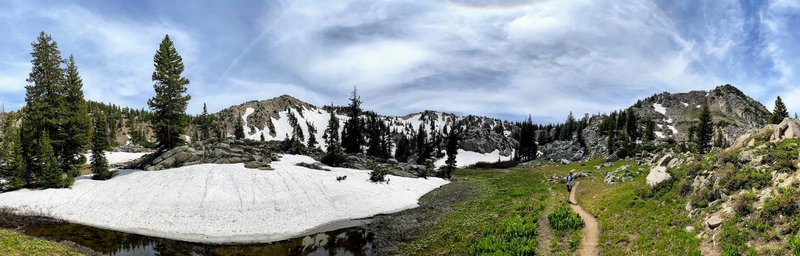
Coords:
224,203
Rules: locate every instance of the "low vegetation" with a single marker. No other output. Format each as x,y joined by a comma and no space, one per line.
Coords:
13,243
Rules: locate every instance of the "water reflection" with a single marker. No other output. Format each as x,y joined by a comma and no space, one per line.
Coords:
349,241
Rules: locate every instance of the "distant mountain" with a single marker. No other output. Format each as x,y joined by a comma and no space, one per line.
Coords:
272,119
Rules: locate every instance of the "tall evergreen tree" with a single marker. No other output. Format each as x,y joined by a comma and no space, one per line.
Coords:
353,134
12,165
705,130
312,136
402,152
205,122
779,113
423,147
239,130
452,152
75,126
44,108
169,103
333,147
99,144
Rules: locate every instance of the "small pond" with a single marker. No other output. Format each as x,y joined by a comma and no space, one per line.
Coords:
344,241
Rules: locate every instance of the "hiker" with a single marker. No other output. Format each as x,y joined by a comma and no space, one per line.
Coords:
569,185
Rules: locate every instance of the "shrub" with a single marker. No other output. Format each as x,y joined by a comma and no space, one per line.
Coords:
734,179
515,236
743,204
341,178
333,159
734,240
784,202
703,197
685,187
563,218
794,244
693,168
494,165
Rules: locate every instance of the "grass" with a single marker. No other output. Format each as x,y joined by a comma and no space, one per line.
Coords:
502,219
13,243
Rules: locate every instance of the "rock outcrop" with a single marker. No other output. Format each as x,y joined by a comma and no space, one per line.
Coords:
789,128
253,154
657,176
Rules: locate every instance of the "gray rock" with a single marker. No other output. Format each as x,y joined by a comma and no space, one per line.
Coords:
664,161
657,176
714,221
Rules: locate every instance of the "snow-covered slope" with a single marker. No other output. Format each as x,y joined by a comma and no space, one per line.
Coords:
228,203
117,157
467,158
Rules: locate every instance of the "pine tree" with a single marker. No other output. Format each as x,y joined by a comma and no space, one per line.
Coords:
262,138
649,131
312,136
76,122
44,98
719,139
13,168
401,153
51,171
705,130
452,152
423,147
169,103
205,122
99,144
353,134
631,129
333,147
779,113
239,130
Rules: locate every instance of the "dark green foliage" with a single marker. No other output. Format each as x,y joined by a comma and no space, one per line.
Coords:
743,204
703,196
452,152
293,146
515,236
782,156
527,141
43,112
239,130
378,137
423,145
262,138
735,178
353,134
333,155
169,103
779,113
649,131
12,165
205,123
51,174
378,174
719,139
312,136
563,218
495,165
403,150
297,131
705,130
99,144
75,121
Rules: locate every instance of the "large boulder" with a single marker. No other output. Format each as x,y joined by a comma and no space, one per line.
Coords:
664,160
255,155
714,221
657,176
789,128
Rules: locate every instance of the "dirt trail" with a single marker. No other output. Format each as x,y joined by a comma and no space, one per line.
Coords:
591,232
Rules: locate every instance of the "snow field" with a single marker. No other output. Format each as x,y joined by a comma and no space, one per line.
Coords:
224,203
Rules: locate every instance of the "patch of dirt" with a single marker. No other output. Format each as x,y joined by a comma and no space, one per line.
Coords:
393,229
591,232
544,227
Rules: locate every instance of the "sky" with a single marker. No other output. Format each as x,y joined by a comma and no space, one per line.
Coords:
505,59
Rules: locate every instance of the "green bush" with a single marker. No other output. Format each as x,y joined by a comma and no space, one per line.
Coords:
785,202
563,218
703,197
734,241
735,179
515,236
794,244
743,204
782,156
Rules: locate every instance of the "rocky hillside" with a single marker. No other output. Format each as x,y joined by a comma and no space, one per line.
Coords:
277,118
676,113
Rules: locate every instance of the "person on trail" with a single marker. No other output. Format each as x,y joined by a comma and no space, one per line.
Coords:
570,178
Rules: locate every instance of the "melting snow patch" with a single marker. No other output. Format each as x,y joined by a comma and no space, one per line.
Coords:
674,131
117,157
685,104
660,135
699,106
224,203
660,109
467,158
